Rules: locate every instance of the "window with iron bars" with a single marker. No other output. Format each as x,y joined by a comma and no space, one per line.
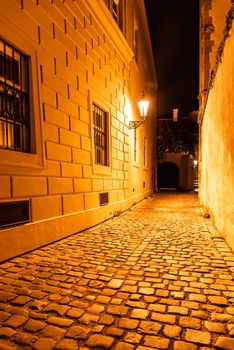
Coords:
118,10
14,99
100,135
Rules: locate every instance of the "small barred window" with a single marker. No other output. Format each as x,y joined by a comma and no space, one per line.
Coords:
100,135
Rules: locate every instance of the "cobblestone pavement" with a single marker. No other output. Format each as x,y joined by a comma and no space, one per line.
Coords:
158,276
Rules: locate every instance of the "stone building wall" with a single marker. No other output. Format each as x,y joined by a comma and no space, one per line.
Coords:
217,148
78,58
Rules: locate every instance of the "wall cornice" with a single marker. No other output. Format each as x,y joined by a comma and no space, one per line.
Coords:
147,35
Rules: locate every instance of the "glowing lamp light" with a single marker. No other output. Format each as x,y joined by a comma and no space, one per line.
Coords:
143,105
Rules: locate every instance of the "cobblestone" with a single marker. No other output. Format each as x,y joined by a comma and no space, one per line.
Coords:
171,319
101,341
116,332
190,322
34,325
53,332
78,332
198,336
44,344
180,345
15,321
128,323
7,332
158,276
23,338
172,331
156,342
67,344
124,346
225,343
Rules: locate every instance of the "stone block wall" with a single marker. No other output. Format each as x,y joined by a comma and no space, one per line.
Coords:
78,57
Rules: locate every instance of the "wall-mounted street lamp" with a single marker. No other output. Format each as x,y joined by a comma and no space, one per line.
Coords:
175,114
143,105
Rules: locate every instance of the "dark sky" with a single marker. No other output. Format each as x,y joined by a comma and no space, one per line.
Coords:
174,27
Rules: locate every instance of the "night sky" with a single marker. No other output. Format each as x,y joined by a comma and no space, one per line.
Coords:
174,28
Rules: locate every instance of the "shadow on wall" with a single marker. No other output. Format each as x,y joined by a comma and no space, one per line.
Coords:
168,176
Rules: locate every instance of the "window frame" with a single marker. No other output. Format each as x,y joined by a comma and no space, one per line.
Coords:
14,99
118,12
23,162
100,130
95,99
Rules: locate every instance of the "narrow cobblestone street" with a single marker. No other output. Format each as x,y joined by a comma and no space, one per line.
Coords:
158,276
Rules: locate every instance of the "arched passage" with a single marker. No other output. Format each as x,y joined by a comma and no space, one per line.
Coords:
168,175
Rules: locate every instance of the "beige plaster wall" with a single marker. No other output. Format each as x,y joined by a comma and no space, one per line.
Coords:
217,133
218,14
78,57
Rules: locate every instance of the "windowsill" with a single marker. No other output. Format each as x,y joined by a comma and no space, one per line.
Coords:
19,160
101,170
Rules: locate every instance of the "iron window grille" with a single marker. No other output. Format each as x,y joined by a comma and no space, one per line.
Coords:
14,99
100,135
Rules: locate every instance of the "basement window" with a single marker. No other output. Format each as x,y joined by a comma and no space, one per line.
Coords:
14,213
103,198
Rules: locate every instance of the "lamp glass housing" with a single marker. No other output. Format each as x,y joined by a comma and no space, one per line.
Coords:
143,105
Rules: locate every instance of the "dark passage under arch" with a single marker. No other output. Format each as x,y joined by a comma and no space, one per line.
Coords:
168,175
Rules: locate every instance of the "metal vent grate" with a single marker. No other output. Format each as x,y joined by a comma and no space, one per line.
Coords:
104,198
14,213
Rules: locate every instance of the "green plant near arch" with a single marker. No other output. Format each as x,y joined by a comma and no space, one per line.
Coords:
177,137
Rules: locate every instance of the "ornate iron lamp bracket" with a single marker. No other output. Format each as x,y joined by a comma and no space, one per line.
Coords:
134,124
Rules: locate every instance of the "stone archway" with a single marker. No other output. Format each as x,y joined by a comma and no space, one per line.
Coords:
168,175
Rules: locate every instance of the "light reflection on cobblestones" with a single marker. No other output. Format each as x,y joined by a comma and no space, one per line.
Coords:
158,276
